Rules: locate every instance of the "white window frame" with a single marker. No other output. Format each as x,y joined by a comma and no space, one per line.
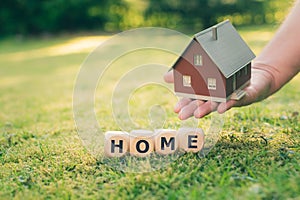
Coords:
198,61
186,81
212,83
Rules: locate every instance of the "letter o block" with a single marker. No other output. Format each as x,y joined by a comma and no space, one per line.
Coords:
141,143
191,139
116,143
166,141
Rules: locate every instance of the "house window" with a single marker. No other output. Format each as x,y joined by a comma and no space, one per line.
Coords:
198,60
212,83
186,81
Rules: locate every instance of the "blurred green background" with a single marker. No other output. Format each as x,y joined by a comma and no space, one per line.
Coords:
31,17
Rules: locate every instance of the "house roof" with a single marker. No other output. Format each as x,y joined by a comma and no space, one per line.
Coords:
229,51
225,47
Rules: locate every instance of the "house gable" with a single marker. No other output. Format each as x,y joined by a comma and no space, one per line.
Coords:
200,74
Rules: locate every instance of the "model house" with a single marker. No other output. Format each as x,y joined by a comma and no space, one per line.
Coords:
215,66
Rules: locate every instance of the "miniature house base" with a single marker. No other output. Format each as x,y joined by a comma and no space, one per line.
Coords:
236,95
142,143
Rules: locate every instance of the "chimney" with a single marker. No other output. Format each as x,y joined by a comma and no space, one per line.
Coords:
214,32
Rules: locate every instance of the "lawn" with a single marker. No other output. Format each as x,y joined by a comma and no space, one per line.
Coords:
257,155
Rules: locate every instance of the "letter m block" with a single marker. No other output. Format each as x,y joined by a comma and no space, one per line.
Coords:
166,141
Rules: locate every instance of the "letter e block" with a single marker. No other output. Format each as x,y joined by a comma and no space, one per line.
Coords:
191,139
166,141
116,143
141,143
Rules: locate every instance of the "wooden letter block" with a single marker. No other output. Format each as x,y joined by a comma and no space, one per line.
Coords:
116,143
166,141
191,139
141,143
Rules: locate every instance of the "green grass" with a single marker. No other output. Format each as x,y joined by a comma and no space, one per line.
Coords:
41,156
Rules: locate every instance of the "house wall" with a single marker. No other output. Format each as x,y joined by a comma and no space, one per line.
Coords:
241,79
199,74
229,86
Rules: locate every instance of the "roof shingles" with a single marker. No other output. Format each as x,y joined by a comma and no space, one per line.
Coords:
229,52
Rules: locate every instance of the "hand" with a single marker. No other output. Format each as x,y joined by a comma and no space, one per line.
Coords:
259,88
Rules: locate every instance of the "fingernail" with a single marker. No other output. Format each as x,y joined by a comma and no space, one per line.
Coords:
197,114
181,115
222,108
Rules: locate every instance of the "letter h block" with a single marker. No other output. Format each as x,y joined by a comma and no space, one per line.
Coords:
191,139
116,143
141,143
166,141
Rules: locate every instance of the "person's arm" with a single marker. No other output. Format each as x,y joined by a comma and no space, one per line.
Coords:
277,64
281,56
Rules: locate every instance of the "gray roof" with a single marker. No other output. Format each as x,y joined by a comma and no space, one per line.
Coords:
229,52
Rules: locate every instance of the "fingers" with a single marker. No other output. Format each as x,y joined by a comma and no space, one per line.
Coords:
223,107
259,88
198,108
169,77
205,109
250,97
189,109
183,102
